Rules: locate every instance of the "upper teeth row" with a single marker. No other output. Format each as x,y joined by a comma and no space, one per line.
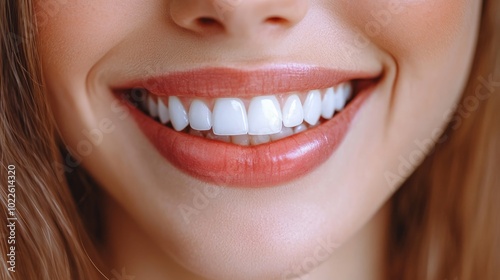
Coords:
265,116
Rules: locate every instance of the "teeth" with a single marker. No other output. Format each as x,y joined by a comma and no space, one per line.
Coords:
259,139
347,91
163,112
265,121
178,114
242,140
340,97
293,113
223,138
230,117
196,133
328,106
285,132
312,107
264,116
152,107
300,128
200,117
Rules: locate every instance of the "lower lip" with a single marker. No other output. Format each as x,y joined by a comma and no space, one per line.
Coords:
265,165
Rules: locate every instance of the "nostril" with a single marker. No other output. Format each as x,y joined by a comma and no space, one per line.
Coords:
207,21
209,24
276,20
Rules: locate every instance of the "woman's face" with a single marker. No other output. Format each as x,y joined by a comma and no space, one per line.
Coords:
242,67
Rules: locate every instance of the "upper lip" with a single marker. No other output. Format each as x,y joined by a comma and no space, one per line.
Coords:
224,82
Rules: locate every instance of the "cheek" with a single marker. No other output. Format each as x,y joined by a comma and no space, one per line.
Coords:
431,43
73,37
75,34
410,28
428,28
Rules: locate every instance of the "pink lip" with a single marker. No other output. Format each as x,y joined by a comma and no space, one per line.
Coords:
264,165
224,82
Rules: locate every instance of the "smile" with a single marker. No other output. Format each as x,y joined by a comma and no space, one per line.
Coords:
223,126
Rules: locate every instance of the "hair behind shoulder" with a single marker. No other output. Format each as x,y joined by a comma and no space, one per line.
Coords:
445,218
50,242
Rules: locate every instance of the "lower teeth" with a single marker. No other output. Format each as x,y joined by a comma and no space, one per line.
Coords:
250,140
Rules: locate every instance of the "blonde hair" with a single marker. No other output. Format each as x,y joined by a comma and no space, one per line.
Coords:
443,224
50,240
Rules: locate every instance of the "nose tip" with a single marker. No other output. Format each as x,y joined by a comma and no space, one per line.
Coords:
236,17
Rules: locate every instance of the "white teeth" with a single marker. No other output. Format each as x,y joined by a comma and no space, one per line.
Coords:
299,128
285,132
163,112
242,140
340,98
178,114
200,117
312,107
152,107
259,139
264,116
264,122
196,133
230,117
223,138
293,113
328,106
347,91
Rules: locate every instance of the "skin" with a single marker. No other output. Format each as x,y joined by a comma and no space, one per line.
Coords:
424,48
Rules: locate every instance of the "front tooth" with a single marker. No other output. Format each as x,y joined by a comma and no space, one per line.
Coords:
200,117
230,117
163,112
152,107
328,106
312,107
340,98
178,114
293,113
264,116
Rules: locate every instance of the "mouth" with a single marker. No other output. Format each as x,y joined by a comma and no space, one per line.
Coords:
247,128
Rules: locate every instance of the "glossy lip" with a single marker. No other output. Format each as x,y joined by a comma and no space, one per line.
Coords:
264,165
229,82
